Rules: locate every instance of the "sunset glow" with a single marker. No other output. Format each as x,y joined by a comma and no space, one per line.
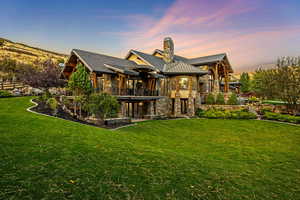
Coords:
250,32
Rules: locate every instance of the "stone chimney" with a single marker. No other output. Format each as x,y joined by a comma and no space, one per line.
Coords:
168,46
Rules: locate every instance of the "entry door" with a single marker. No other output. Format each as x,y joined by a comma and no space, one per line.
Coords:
184,105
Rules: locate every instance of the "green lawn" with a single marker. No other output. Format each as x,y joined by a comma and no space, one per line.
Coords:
48,158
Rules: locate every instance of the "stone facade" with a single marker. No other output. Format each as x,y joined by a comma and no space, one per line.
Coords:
163,106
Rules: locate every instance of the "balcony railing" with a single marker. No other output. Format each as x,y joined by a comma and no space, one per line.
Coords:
134,92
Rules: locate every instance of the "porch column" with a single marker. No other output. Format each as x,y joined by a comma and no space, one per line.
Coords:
191,108
216,87
151,108
122,111
177,105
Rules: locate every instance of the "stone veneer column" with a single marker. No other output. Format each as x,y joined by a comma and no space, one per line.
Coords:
216,83
177,106
122,111
191,106
151,108
197,100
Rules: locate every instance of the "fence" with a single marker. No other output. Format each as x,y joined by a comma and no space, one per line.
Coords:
11,85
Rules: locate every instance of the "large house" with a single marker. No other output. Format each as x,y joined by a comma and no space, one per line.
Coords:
157,84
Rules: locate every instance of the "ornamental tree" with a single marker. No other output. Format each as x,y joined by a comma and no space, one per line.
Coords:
44,76
80,82
245,82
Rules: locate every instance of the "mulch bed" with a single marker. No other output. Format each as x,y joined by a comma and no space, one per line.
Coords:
44,109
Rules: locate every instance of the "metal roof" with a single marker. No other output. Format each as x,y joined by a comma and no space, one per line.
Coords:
179,67
96,62
150,59
206,59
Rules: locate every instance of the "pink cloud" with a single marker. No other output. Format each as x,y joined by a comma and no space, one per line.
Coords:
200,27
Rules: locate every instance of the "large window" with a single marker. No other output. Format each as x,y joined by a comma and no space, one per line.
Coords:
183,83
100,84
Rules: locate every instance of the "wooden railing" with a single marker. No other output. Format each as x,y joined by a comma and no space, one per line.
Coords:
134,92
11,85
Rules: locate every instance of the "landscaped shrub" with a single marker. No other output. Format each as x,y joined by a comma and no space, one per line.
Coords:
52,103
281,117
210,99
253,99
227,114
264,110
103,105
232,100
220,99
199,112
4,93
44,97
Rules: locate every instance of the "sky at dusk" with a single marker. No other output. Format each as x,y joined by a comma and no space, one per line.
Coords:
249,31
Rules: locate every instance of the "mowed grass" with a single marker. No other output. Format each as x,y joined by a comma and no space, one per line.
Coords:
48,158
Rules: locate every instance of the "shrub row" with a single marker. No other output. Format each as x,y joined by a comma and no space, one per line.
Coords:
4,93
281,117
226,114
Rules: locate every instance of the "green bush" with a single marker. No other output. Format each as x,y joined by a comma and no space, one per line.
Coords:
264,110
220,99
52,103
210,99
227,114
233,100
44,97
103,105
4,93
199,112
281,117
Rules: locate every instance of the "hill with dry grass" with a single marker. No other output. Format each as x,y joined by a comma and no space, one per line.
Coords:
26,54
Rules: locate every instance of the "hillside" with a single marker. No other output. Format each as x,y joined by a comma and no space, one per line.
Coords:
23,53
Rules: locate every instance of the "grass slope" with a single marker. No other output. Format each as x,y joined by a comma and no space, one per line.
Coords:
23,53
43,157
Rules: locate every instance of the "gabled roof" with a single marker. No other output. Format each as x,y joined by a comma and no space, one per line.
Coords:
176,57
149,59
179,67
96,62
207,59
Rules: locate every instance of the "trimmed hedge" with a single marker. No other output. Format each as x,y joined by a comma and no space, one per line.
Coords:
4,93
281,117
225,114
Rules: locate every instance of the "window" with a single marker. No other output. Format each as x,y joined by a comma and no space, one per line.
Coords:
100,84
183,83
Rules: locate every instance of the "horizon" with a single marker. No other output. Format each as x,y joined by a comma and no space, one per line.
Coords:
250,33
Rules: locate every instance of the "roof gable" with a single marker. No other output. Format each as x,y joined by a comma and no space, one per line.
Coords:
154,61
98,62
179,67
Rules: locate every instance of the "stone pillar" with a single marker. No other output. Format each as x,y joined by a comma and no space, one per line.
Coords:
122,111
177,106
197,101
151,108
216,87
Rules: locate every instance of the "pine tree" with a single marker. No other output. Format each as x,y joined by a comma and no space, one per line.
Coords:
210,99
233,99
245,82
80,81
220,99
